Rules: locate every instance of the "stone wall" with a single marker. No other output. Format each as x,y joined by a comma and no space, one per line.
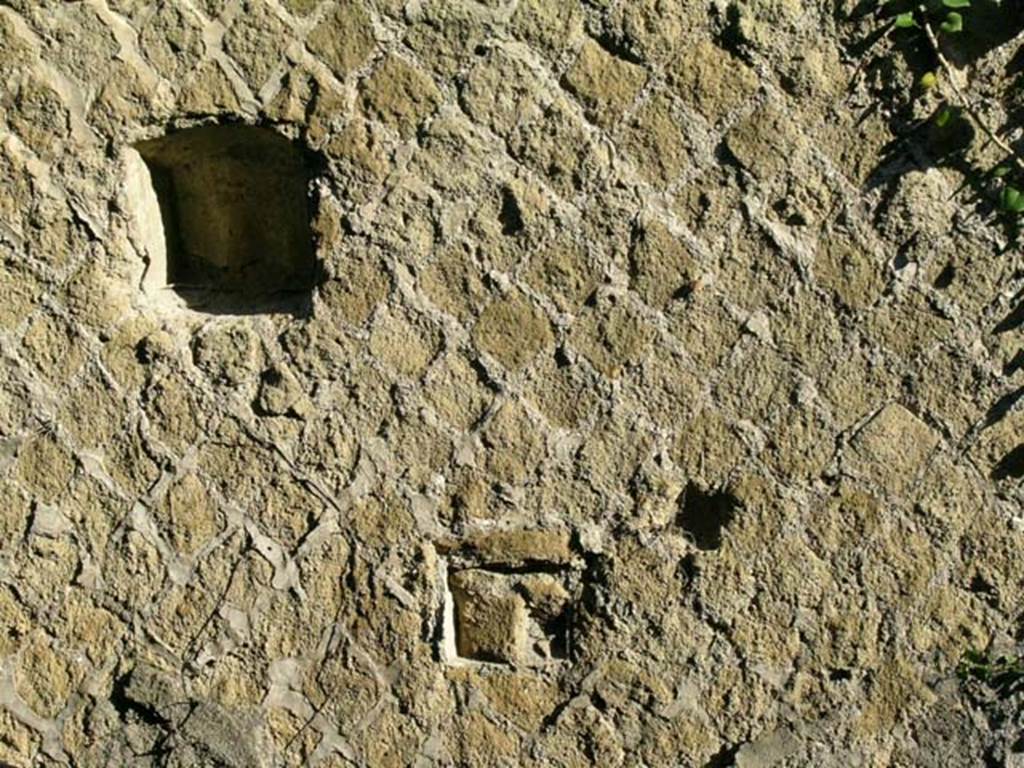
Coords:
637,396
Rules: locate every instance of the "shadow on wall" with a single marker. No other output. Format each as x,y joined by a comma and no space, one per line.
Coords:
704,515
224,213
921,144
944,142
1010,466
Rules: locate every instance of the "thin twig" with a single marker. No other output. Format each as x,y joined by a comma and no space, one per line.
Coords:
965,101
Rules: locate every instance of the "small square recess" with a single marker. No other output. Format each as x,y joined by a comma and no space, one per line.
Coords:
224,214
508,605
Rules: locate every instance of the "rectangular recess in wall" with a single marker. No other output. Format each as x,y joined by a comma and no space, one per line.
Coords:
510,606
224,214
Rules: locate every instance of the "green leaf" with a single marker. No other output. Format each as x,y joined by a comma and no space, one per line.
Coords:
906,20
1012,199
957,3
954,23
1000,171
929,80
943,118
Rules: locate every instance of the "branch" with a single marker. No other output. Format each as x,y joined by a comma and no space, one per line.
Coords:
965,101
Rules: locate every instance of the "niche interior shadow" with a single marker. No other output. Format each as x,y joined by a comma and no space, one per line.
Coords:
235,211
704,514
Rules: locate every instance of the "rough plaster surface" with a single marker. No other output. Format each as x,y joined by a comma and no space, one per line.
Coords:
614,316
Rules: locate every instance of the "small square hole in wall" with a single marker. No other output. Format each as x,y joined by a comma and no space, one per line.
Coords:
517,612
223,214
522,619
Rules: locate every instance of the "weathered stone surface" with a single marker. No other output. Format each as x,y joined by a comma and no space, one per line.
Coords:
644,345
18,744
551,24
555,145
503,90
406,348
189,514
208,90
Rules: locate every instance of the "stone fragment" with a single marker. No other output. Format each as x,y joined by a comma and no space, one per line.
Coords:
171,40
660,265
134,571
482,741
359,147
522,698
708,447
612,335
455,283
20,290
457,394
14,623
565,272
54,346
712,80
301,7
766,143
551,24
229,354
90,629
556,145
208,90
546,596
851,271
18,743
1000,448
15,515
400,95
656,139
256,41
653,30
172,410
503,90
344,39
40,118
44,467
224,737
404,347
892,447
512,331
44,677
292,102
235,682
281,394
606,84
190,515
212,8
512,444
562,392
